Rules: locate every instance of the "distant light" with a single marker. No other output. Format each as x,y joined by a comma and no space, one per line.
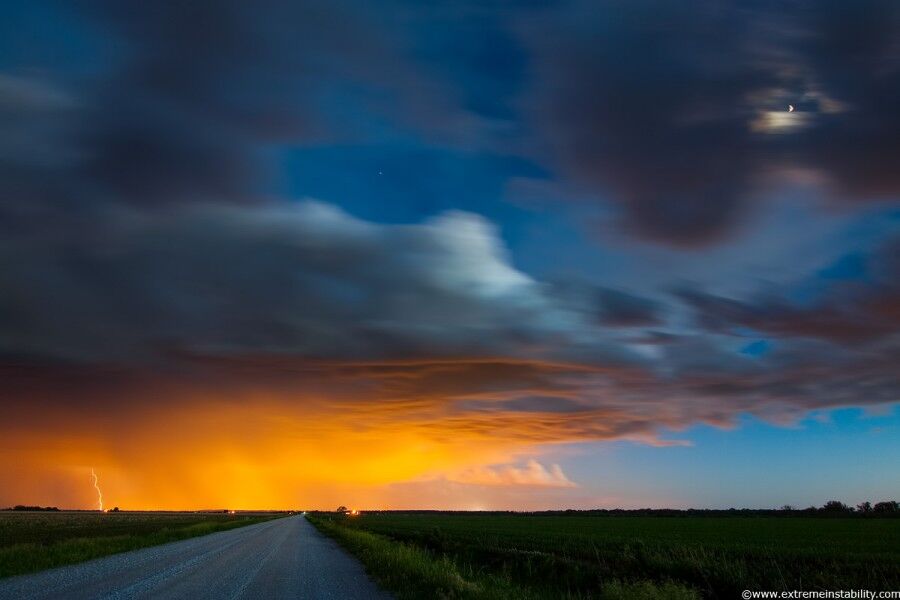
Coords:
790,108
230,512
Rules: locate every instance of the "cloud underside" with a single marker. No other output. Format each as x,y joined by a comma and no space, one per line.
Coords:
427,327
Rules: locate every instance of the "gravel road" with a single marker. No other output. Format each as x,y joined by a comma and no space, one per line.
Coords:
283,558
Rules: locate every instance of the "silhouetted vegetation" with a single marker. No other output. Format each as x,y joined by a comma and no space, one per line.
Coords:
22,507
836,506
891,507
888,508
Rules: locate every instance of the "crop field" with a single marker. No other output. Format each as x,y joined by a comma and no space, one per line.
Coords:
31,541
511,556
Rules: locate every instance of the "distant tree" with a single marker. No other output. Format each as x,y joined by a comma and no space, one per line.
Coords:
114,509
342,509
836,506
888,506
864,507
787,508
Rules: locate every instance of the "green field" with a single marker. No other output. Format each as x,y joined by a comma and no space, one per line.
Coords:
518,556
31,541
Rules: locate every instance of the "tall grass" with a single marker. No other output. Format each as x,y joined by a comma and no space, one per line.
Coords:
412,572
581,556
31,543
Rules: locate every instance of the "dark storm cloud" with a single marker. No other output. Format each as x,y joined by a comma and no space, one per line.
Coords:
645,98
679,110
195,97
608,307
853,320
205,84
505,399
847,311
141,229
676,112
854,56
305,279
427,324
624,309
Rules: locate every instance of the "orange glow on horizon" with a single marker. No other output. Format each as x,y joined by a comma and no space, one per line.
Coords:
244,436
245,456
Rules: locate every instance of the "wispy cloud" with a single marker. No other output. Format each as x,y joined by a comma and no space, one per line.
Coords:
532,473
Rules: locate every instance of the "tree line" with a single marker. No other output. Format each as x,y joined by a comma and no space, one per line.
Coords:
832,508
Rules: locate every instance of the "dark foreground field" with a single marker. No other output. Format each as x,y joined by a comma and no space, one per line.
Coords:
31,541
518,556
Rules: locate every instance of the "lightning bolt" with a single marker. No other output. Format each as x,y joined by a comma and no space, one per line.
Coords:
97,487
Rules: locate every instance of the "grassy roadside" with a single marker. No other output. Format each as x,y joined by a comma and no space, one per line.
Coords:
412,572
717,556
35,543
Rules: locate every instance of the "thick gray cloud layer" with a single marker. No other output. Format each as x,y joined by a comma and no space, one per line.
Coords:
430,321
679,111
139,227
674,112
301,278
857,311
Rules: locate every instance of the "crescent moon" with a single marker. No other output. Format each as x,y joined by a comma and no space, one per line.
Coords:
790,108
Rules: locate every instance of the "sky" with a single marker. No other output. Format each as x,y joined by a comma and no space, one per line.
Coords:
452,255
